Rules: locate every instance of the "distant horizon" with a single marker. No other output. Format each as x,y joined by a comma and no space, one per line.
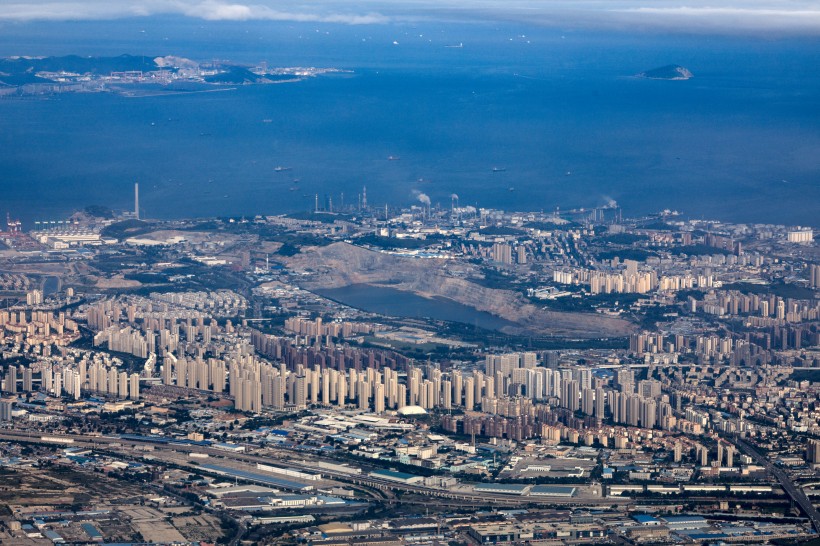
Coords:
758,17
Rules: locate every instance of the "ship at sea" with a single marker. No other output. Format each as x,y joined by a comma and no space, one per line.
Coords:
280,169
499,169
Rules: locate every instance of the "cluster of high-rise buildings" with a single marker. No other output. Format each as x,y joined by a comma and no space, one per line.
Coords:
153,327
71,379
314,328
775,310
38,328
749,348
629,280
513,386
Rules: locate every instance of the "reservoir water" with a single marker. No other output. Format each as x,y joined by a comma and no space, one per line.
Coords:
398,303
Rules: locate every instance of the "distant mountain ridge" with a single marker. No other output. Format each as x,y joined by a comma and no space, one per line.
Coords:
123,74
77,64
668,72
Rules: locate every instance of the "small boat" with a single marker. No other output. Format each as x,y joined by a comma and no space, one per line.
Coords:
510,189
499,169
393,158
280,168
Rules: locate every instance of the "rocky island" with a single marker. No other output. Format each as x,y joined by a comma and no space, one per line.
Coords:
668,72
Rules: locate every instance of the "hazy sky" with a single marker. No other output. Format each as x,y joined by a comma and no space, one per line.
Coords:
778,16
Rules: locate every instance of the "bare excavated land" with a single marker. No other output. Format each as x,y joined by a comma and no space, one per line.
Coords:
342,264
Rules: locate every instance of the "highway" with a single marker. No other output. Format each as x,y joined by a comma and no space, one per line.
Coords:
796,493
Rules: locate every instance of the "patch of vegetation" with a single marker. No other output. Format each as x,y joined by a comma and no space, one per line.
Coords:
683,295
288,249
300,239
500,230
234,74
474,334
259,422
552,226
654,314
230,529
323,217
99,211
495,279
406,348
126,228
637,254
147,277
699,250
116,262
623,238
806,374
660,226
589,303
778,289
392,242
14,361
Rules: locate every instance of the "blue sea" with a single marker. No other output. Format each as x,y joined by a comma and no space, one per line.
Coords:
559,110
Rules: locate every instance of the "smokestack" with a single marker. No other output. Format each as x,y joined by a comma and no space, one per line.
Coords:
137,200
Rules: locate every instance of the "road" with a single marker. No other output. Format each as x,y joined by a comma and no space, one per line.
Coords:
796,493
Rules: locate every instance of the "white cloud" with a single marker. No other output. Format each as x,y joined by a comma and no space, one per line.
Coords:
726,15
756,18
211,10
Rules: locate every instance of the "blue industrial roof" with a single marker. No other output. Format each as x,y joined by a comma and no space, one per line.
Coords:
91,531
501,487
684,519
254,477
395,474
53,536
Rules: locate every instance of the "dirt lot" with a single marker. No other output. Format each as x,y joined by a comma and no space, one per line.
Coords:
121,513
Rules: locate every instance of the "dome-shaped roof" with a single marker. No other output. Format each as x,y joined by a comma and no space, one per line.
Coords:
412,410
